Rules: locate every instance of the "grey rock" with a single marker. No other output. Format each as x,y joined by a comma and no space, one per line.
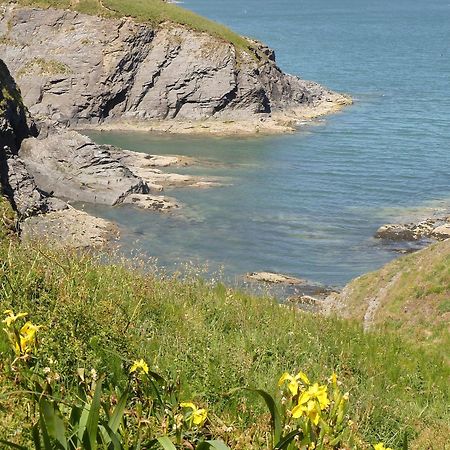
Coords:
437,228
271,277
69,228
441,232
15,121
79,69
69,165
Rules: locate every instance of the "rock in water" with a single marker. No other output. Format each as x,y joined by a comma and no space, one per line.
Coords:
70,165
80,69
271,277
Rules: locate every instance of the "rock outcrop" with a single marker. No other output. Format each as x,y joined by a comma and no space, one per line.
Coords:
70,165
78,69
16,125
434,228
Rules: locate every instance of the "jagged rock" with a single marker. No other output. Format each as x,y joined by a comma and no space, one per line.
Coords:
145,167
21,188
80,69
441,232
397,232
70,165
15,122
433,227
270,277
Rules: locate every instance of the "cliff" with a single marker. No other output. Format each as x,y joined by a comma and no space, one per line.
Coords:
80,69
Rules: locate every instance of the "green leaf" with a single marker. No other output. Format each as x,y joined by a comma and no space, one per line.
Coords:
90,436
53,422
36,436
405,441
275,415
45,437
83,418
117,415
214,445
284,442
166,443
113,440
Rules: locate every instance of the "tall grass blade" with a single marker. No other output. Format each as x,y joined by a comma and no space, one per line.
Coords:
286,440
117,415
90,437
274,413
166,443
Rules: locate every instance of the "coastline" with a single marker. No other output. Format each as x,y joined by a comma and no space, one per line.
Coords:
275,123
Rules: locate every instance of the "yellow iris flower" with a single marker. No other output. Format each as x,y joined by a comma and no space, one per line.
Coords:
11,317
381,446
27,336
315,392
139,366
198,416
310,410
293,384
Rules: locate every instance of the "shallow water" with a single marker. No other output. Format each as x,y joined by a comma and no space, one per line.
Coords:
307,204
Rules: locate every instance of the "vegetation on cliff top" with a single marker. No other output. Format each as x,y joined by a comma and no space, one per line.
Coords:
213,339
151,11
410,295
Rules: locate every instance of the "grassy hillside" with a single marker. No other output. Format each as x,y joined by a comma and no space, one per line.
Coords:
151,11
410,295
213,339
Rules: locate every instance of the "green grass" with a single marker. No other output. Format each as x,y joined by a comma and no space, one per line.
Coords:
42,66
154,12
214,339
9,94
415,299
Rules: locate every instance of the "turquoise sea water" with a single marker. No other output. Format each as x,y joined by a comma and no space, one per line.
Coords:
307,204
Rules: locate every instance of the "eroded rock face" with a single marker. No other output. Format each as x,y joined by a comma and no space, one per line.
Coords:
15,122
70,165
79,69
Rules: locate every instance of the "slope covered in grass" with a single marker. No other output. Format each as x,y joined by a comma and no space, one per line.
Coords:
411,295
154,12
102,316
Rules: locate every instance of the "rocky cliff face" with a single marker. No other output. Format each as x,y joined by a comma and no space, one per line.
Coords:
15,122
15,125
79,69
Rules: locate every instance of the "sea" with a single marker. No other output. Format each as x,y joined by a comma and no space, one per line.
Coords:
307,204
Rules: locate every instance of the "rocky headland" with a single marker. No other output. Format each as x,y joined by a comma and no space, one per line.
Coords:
100,69
84,70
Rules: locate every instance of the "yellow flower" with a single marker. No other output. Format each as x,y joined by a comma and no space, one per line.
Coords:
381,446
28,337
315,392
139,366
293,384
333,379
11,317
198,416
310,410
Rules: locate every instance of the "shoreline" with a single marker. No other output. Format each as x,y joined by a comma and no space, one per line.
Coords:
276,123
